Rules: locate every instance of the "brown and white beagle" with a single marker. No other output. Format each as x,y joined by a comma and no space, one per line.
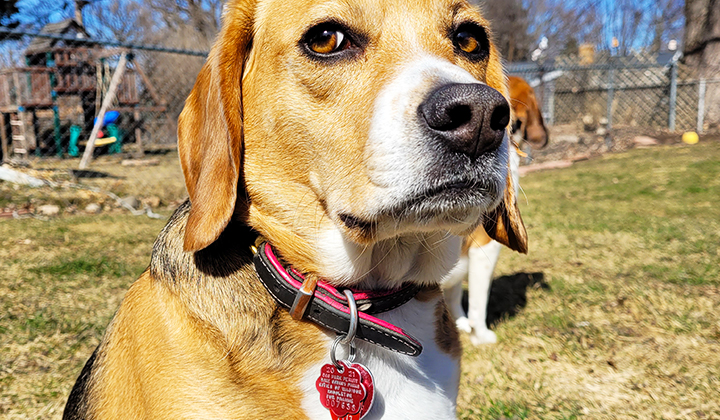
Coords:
328,143
480,253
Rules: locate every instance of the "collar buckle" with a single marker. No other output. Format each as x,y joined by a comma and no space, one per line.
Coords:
303,297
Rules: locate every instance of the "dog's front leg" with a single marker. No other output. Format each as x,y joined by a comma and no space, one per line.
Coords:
481,264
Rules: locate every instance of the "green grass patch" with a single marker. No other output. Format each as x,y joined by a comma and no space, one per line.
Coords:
498,410
97,266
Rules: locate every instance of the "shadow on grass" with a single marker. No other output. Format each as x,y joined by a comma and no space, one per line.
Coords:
508,295
78,173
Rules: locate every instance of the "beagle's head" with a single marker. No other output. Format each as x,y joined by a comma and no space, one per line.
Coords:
529,123
364,120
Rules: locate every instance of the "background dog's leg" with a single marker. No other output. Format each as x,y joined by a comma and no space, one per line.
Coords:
481,264
454,291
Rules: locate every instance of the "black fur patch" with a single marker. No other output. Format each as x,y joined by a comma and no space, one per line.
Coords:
76,407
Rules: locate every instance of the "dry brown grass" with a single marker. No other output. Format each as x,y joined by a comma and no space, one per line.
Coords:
629,329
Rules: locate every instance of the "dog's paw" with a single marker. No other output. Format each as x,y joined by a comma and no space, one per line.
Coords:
484,336
463,324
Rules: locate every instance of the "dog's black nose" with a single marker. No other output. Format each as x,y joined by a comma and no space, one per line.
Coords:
470,118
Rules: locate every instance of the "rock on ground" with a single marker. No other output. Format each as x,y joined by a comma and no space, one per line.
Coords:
49,210
93,208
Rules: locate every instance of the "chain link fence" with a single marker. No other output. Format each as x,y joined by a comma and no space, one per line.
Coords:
654,92
102,116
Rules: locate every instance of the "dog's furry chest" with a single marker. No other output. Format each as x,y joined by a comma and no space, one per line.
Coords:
406,387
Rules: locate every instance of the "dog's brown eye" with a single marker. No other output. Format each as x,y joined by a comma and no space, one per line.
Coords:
327,41
471,41
467,42
332,42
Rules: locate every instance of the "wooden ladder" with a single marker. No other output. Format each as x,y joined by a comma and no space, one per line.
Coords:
19,142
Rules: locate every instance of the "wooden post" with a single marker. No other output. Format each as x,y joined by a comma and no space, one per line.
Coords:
98,85
18,90
3,137
114,82
138,134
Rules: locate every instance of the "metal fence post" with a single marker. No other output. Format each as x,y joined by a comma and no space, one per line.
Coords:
550,113
610,95
701,105
673,95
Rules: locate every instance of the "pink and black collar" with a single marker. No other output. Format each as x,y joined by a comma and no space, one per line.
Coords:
328,307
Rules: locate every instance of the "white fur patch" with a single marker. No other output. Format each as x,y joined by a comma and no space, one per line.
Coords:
452,286
481,264
423,258
406,388
396,152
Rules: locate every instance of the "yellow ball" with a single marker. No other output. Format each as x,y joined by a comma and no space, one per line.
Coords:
690,137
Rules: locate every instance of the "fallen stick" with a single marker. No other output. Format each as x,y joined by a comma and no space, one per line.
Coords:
109,96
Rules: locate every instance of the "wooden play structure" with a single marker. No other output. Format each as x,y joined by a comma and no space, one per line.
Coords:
67,81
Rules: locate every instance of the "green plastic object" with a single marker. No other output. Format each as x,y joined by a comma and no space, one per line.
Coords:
114,131
75,132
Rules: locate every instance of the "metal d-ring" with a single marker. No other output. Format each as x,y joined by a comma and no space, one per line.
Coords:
352,329
349,338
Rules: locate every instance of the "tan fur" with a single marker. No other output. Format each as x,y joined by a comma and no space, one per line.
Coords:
504,223
257,151
446,334
476,239
427,294
210,132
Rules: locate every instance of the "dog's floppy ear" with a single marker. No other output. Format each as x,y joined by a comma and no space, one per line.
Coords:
504,223
210,130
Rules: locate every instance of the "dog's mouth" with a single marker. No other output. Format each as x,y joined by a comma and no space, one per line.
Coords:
444,203
452,188
445,197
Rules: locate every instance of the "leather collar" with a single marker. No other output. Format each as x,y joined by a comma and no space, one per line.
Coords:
328,307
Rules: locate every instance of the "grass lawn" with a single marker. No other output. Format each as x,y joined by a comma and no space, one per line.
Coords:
629,245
